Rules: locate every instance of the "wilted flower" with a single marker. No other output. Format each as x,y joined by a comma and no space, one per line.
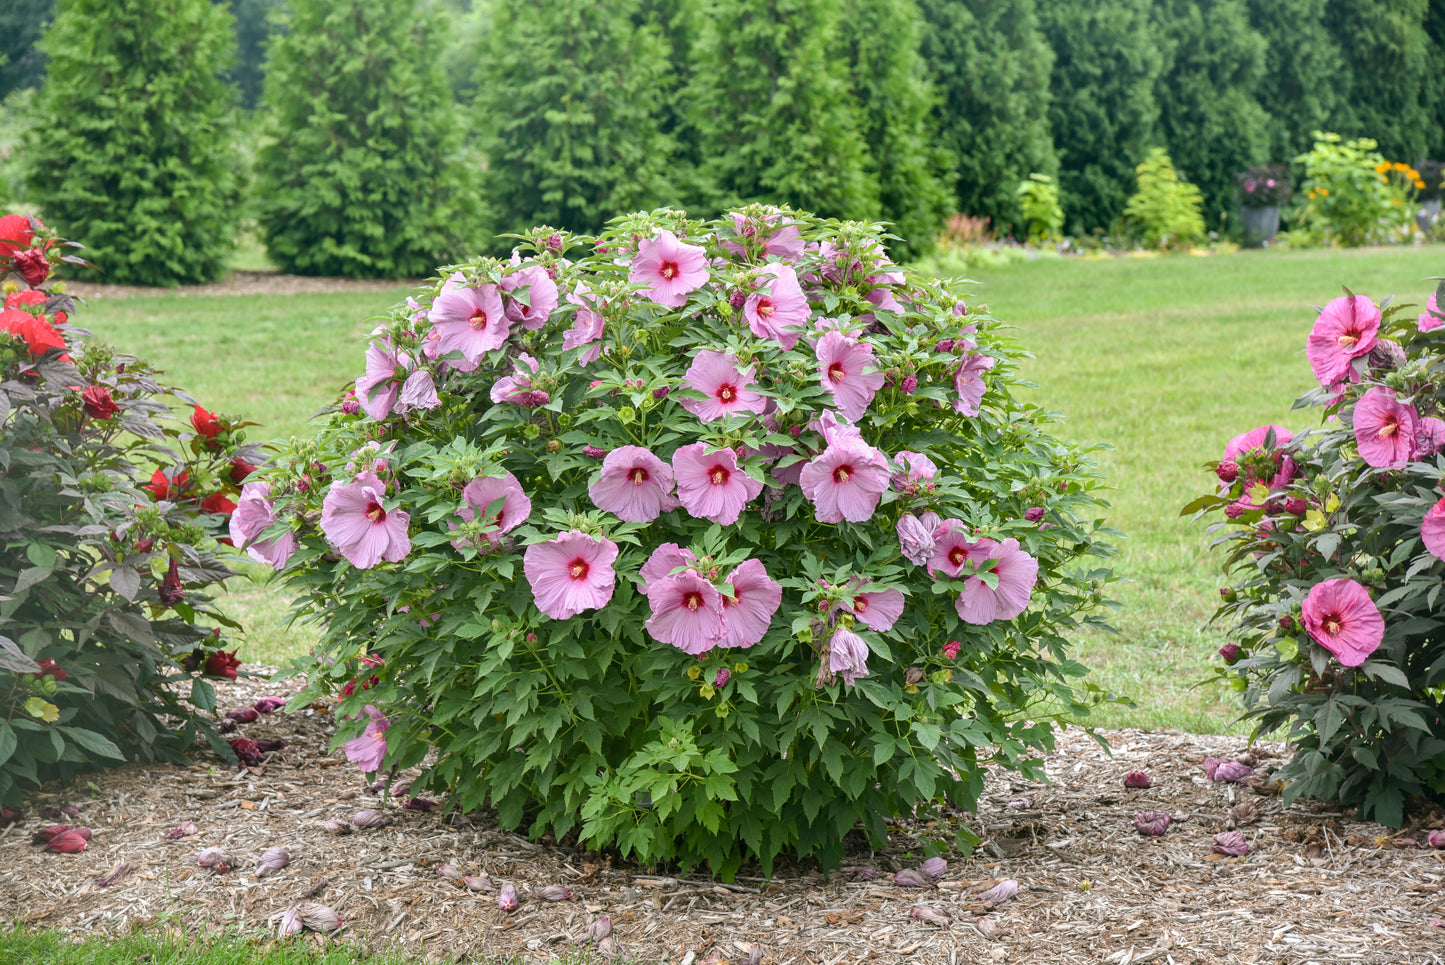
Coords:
118,872
336,826
1246,812
1137,779
217,859
72,841
609,947
183,830
599,929
507,898
269,705
46,834
368,818
9,816
865,873
999,893
272,861
244,715
915,540
419,804
450,872
554,893
1436,839
479,883
1231,843
309,916
913,878
1151,823
247,751
934,868
931,915
1232,771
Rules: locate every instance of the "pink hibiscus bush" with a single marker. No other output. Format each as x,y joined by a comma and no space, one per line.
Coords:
1336,541
646,552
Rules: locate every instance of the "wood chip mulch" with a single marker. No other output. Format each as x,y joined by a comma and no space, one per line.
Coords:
1315,885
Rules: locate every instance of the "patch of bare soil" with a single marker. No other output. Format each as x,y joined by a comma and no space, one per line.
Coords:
1315,885
241,283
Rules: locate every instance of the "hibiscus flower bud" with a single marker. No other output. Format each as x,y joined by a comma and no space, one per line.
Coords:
1436,839
599,929
1034,513
931,915
97,402
913,878
183,830
1137,779
944,345
1231,843
723,676
171,591
1296,505
350,407
592,452
479,883
554,242
32,265
244,715
272,861
222,664
951,648
555,893
217,859
118,872
1151,823
1286,622
934,868
913,676
738,299
1227,471
145,546
1230,652
909,384
369,818
507,898
1235,510
1231,771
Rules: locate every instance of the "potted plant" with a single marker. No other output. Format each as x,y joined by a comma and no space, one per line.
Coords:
1262,191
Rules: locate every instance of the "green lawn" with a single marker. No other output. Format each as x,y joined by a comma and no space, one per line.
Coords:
1162,358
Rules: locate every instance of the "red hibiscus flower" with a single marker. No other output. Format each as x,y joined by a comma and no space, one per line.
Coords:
162,488
219,504
222,664
240,469
15,234
32,264
38,335
206,424
30,296
97,402
49,668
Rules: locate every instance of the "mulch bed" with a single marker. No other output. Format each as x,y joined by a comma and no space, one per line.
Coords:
1315,886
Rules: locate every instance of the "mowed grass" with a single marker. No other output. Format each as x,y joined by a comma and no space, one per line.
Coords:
1163,358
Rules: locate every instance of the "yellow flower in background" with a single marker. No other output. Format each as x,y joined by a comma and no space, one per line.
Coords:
1324,192
1382,167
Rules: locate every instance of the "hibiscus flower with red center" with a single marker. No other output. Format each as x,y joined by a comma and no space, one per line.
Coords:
571,573
728,390
1342,618
668,269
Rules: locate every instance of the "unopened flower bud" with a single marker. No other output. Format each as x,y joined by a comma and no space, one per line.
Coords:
1137,779
934,868
592,452
723,675
931,915
272,861
1151,823
1034,513
118,873
1235,510
1231,653
913,676
368,818
555,893
1231,843
951,648
1227,471
1286,622
909,384
1296,505
599,929
217,859
944,345
913,878
507,898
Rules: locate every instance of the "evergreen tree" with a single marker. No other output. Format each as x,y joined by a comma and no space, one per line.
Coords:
1302,69
253,30
1435,81
572,104
361,174
1209,113
21,23
770,118
991,65
889,83
1384,93
1104,115
133,154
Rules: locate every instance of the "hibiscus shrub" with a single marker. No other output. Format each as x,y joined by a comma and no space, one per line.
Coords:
1336,539
701,542
108,503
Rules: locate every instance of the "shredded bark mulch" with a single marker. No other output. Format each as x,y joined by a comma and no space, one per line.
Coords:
1315,885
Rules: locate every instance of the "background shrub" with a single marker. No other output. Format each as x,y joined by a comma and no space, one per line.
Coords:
109,506
1347,197
1349,510
589,725
362,173
131,145
1165,211
1040,214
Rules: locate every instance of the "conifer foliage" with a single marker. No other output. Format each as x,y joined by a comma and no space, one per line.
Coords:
571,113
361,173
132,147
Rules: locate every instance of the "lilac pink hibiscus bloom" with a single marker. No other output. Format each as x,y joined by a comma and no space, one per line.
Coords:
668,269
355,521
1342,618
571,573
633,485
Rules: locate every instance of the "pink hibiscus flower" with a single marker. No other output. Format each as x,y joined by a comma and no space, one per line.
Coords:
1247,442
669,269
749,601
1342,618
1385,429
845,481
633,485
716,376
369,750
1429,437
518,386
968,383
469,320
1250,450
531,296
255,514
663,561
1432,530
916,468
503,495
785,242
711,485
848,655
418,392
1347,329
571,573
915,539
686,612
846,369
1432,318
780,310
950,548
877,609
354,521
376,390
1016,571
587,326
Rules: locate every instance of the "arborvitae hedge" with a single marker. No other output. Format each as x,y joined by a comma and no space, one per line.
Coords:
361,173
1209,113
1104,113
133,149
769,110
569,112
1302,64
895,99
1383,91
991,66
